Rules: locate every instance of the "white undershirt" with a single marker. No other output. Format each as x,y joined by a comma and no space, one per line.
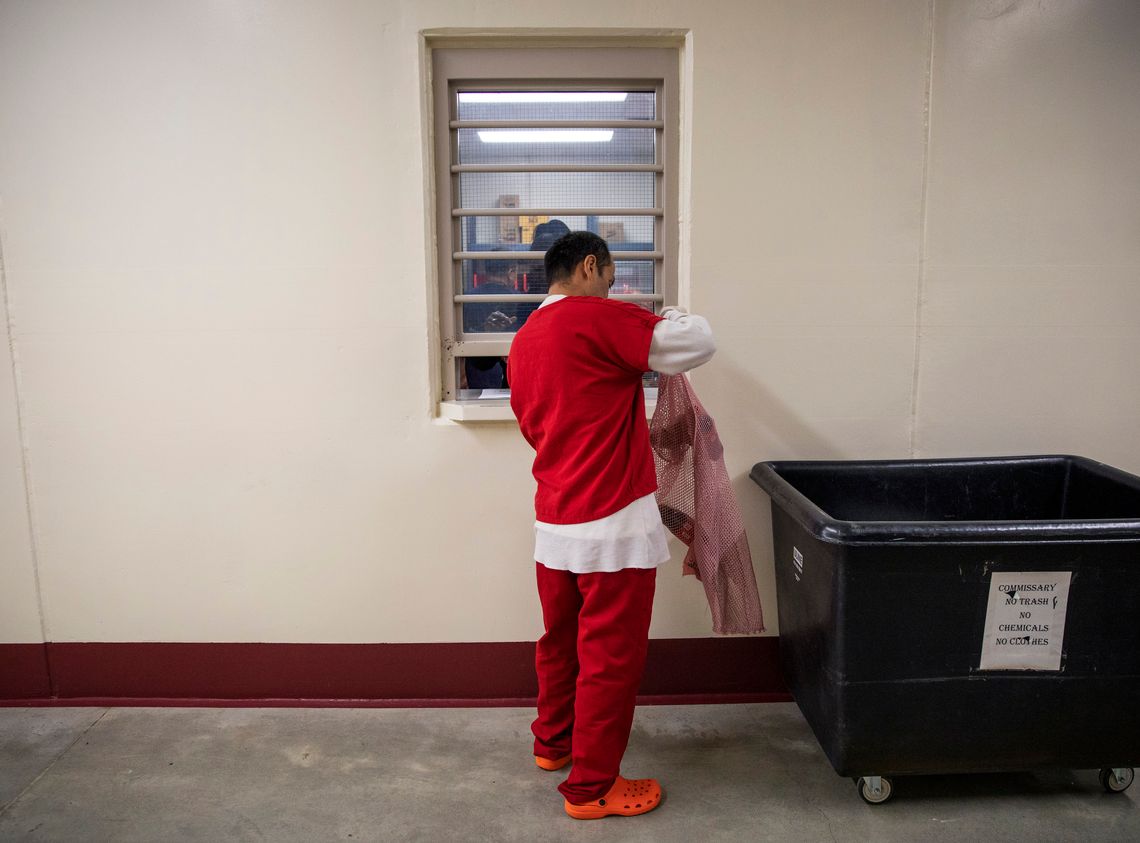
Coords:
632,537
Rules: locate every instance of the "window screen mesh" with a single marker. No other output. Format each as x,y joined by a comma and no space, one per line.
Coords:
557,146
624,234
495,277
557,105
520,145
558,190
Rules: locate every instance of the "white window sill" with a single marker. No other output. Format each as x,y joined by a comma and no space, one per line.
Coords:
499,409
476,411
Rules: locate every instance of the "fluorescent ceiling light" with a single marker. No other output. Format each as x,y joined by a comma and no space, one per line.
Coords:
546,135
544,96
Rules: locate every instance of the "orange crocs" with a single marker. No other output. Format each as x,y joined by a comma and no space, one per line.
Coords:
627,798
552,763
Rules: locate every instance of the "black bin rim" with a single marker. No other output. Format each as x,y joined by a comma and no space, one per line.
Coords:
824,527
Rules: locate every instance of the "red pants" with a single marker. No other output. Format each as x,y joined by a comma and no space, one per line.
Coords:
589,666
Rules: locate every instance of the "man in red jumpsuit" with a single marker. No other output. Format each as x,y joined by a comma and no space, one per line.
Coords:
575,371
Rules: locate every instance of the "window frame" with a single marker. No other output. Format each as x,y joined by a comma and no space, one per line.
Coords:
633,67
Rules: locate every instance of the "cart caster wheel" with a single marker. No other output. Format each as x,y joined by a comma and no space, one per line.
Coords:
875,790
1116,779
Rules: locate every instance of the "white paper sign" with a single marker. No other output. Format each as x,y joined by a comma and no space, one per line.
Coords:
1025,620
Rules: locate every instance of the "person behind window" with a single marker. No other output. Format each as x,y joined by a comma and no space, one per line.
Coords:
545,234
492,277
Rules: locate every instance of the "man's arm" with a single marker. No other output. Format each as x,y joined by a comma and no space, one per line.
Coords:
681,341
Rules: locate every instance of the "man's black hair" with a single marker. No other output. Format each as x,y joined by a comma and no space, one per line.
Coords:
570,250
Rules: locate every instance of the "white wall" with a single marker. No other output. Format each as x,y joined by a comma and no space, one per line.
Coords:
1032,287
213,222
19,608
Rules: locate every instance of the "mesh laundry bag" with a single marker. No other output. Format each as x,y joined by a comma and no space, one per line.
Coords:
698,506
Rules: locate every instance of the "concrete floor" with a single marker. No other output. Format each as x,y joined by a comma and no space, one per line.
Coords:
739,772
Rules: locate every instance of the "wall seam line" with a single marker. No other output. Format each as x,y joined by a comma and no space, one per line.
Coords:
24,459
920,285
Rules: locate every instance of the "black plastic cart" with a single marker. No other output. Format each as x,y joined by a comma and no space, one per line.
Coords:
898,626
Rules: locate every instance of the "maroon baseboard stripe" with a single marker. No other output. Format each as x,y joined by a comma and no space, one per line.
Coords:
311,671
696,666
24,671
418,702
685,670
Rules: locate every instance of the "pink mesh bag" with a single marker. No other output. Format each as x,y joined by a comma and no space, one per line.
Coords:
698,506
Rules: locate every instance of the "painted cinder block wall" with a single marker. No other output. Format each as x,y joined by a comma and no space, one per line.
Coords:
913,227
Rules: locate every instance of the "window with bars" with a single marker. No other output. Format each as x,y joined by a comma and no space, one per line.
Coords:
531,144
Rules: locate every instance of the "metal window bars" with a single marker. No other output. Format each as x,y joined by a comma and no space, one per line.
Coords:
487,343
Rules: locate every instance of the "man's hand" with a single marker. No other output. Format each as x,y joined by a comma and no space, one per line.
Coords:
498,321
